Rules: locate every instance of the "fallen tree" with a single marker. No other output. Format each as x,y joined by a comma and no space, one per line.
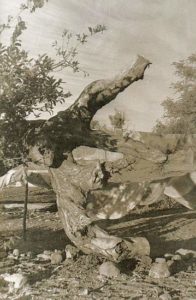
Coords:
49,143
51,147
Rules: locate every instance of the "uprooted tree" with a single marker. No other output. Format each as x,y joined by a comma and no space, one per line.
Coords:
52,145
51,150
49,144
28,86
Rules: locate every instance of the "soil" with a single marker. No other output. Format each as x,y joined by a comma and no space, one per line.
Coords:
167,225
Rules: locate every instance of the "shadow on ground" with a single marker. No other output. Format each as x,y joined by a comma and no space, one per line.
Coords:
39,239
166,232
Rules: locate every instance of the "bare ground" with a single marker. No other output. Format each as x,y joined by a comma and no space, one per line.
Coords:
167,226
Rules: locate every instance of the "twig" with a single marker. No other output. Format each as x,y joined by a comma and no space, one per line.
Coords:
25,210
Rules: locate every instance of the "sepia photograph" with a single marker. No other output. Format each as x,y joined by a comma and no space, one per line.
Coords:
97,149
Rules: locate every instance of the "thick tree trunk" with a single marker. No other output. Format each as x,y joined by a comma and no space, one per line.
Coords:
59,135
52,143
72,183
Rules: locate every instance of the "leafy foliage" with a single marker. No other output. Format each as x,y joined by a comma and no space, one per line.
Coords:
180,115
26,84
29,85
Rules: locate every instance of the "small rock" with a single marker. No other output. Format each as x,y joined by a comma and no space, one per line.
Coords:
16,252
109,269
44,257
159,270
146,260
47,252
144,264
165,296
176,265
22,255
83,292
185,254
71,252
160,260
29,254
170,263
168,256
176,257
18,280
56,258
74,282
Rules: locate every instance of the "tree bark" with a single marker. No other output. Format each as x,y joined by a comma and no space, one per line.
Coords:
50,148
72,183
59,135
51,144
101,92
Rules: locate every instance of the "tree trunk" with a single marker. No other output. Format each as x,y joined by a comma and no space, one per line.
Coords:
59,135
51,144
72,183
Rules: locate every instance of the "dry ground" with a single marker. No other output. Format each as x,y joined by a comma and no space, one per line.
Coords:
168,227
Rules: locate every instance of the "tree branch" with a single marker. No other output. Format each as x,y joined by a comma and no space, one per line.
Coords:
101,92
71,128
